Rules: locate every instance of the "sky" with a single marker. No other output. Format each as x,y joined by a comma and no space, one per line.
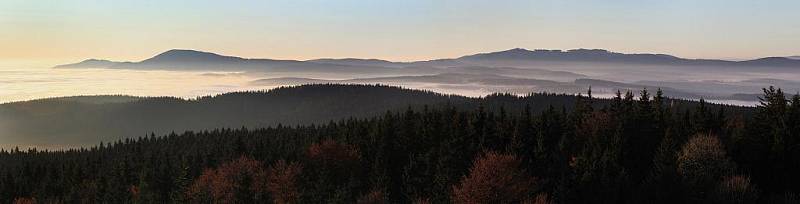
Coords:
406,30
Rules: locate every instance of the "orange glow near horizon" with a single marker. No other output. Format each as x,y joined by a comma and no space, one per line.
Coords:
73,30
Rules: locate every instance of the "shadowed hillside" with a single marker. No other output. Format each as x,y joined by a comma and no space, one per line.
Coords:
628,149
85,120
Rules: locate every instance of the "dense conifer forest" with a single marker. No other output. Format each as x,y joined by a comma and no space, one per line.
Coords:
634,148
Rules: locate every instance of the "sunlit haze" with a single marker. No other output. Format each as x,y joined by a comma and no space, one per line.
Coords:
400,101
69,30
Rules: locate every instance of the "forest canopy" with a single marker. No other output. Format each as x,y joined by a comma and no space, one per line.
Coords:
634,148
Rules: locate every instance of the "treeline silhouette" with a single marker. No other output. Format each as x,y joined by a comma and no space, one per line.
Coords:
91,119
629,149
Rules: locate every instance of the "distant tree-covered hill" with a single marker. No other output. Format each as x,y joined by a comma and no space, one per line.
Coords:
85,120
88,120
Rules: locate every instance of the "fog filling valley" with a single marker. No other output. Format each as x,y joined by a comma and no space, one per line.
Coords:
188,74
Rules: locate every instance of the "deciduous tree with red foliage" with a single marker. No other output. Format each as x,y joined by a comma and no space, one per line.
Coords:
373,197
25,201
337,159
239,181
541,198
495,178
330,153
282,181
331,165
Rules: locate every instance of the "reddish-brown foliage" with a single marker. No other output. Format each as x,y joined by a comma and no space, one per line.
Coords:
494,178
422,201
134,190
222,184
736,189
373,197
596,124
282,181
338,159
25,201
330,151
541,198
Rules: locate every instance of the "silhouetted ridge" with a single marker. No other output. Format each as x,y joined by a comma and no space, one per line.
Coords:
356,62
579,55
192,59
190,56
772,61
90,63
605,56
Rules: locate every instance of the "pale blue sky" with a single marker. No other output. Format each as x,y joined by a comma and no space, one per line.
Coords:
395,30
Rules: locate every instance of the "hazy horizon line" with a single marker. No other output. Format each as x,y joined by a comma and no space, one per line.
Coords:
222,53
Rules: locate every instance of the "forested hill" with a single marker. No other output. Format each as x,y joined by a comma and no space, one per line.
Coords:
622,150
69,121
84,120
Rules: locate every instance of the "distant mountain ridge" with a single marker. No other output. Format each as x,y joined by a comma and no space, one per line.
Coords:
182,59
356,61
183,56
605,56
192,59
579,55
91,63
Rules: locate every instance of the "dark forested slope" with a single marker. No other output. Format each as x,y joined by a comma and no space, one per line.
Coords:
622,150
89,120
72,121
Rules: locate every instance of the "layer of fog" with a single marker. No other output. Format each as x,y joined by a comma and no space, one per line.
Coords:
732,85
20,83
